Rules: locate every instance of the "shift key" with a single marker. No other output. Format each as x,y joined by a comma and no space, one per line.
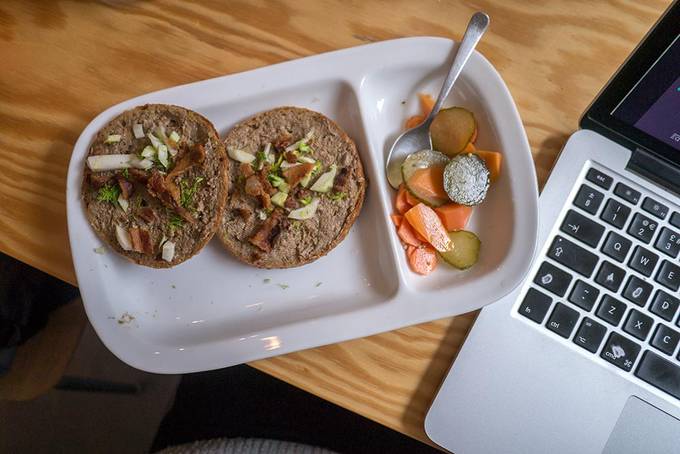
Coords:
582,228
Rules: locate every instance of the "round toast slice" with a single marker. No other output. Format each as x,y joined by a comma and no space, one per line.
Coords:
154,214
265,235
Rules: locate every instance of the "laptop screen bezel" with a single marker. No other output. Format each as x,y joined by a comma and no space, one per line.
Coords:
599,116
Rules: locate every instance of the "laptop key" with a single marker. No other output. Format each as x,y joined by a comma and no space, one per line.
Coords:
535,305
668,242
637,291
665,339
553,279
638,324
562,320
642,228
675,219
668,275
616,246
659,373
588,199
590,335
584,295
572,256
620,351
643,261
601,179
664,305
655,208
627,193
611,310
582,228
610,276
615,213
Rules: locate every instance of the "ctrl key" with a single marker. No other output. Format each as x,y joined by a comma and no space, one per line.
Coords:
535,305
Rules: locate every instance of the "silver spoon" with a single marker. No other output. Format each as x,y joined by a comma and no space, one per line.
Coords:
418,138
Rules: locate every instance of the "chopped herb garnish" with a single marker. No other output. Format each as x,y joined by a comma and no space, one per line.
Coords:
109,193
175,222
283,286
126,173
303,147
337,196
260,159
296,224
275,180
306,200
266,280
318,284
187,192
277,164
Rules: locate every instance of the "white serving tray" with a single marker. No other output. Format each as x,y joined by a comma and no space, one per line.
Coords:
213,311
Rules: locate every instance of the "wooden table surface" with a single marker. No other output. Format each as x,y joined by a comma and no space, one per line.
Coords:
66,61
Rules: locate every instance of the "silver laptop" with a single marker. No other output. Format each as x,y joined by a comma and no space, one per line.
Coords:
584,356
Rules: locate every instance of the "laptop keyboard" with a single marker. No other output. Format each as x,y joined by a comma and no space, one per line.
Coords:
609,280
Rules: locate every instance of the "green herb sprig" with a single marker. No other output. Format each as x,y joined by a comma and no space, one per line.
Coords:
109,193
187,191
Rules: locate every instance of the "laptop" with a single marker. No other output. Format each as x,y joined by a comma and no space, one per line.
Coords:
584,356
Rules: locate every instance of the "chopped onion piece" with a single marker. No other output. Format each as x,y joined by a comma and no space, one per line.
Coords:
168,251
307,159
174,136
305,139
113,138
103,162
160,132
305,212
138,130
149,152
144,164
240,155
288,165
124,204
163,156
123,237
154,140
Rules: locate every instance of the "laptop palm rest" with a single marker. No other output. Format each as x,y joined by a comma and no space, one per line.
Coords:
643,428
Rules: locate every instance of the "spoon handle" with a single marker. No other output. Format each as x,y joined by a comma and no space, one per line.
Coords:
475,29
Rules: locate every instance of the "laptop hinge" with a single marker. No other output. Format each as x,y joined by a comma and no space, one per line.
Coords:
655,169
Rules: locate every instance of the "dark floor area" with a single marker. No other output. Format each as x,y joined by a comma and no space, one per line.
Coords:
237,402
242,402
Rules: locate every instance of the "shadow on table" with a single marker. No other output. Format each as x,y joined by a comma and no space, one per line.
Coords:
438,368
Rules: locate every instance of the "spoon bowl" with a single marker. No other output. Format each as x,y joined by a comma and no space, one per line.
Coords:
418,138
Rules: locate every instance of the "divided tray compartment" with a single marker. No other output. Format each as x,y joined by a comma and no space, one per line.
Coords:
214,311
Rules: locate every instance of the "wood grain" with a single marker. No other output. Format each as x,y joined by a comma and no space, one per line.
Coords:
66,61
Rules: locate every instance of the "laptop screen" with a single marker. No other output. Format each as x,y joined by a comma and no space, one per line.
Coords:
653,103
640,106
